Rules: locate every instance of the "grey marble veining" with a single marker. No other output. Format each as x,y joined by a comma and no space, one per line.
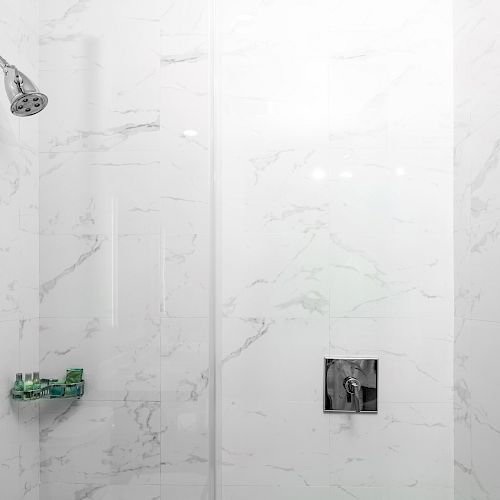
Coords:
476,248
19,451
336,239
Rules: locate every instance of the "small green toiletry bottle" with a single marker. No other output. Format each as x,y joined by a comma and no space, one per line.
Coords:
56,388
71,391
74,375
28,386
19,386
36,385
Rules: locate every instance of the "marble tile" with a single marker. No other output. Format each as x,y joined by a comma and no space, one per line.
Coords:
274,444
185,442
275,275
391,190
476,269
188,116
185,353
110,113
383,493
484,271
463,299
9,471
184,215
277,189
184,492
485,411
415,355
476,65
402,445
64,491
185,169
463,365
185,69
100,193
19,175
405,274
101,443
184,405
181,16
283,96
462,183
19,454
62,12
479,152
271,170
120,358
68,30
9,366
119,276
19,275
29,344
277,492
71,265
278,216
379,59
185,128
114,99
29,450
255,352
185,275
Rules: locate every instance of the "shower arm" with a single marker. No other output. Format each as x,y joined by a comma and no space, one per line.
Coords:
4,64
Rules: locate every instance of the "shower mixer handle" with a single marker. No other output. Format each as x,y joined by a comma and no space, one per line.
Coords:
352,387
348,378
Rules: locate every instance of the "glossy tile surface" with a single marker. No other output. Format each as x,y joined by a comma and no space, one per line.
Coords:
124,247
334,143
335,147
19,203
477,220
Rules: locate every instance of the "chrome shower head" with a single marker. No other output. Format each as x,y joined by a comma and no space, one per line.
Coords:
25,98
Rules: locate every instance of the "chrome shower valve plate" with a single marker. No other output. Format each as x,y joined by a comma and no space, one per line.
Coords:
350,385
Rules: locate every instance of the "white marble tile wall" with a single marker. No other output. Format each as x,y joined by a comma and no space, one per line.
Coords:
477,220
335,156
19,451
100,233
124,247
335,162
185,162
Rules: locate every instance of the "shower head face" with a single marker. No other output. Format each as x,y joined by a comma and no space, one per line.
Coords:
25,98
28,104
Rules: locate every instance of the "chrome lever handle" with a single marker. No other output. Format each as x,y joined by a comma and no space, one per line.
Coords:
352,387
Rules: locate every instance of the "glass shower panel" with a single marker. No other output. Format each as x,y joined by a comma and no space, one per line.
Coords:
123,248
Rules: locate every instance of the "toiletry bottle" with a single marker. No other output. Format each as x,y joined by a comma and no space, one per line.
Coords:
28,386
36,384
19,386
74,375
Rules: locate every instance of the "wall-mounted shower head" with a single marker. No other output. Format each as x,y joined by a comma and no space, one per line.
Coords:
25,98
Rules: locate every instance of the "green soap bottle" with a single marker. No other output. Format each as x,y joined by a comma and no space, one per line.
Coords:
19,386
74,375
37,386
19,383
28,386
